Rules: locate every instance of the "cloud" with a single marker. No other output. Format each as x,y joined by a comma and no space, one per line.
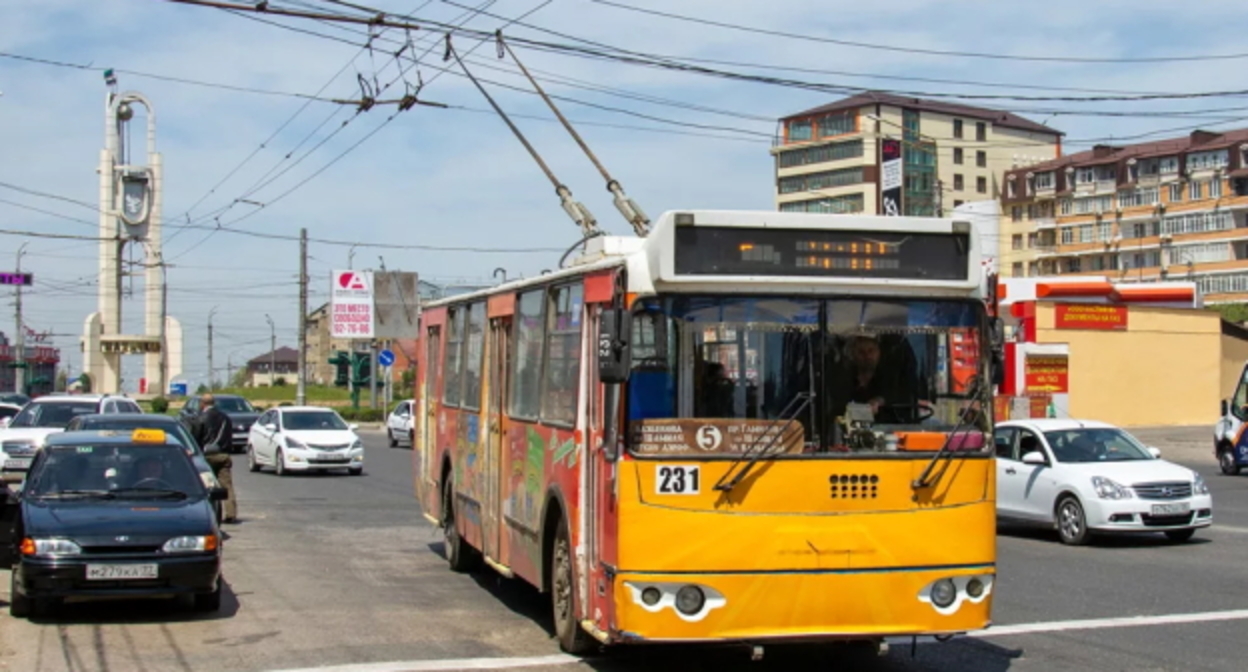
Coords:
458,177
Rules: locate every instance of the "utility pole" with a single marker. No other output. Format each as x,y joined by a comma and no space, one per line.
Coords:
211,372
301,390
19,373
372,373
272,351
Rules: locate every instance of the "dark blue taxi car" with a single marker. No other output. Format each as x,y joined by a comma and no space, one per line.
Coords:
113,514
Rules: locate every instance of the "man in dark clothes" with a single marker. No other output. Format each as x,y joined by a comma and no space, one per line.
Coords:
888,389
213,427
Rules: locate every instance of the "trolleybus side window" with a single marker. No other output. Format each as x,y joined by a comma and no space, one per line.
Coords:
526,379
473,356
452,376
563,355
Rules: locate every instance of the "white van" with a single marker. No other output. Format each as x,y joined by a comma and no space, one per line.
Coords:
1230,443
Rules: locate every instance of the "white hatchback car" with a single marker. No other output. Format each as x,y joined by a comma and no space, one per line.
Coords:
399,423
1087,477
304,438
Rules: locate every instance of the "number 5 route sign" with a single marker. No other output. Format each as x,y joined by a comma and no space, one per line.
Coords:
351,307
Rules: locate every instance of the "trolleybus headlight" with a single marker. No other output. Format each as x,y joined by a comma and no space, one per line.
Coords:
689,600
975,587
943,593
651,596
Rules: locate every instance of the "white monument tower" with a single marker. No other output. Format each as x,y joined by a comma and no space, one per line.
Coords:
130,204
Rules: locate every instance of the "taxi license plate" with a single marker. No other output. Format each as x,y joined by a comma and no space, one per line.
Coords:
120,572
18,464
1171,509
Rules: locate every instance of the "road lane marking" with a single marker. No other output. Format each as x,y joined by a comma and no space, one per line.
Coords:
1041,628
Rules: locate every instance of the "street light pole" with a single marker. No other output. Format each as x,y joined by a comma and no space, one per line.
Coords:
210,370
272,352
19,373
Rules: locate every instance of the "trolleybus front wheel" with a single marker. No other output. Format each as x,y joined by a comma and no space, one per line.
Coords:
572,637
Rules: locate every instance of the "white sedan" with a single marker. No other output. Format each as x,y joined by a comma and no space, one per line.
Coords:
1086,477
304,438
399,423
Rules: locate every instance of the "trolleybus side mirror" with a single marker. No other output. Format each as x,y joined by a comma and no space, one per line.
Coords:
1226,408
614,360
997,346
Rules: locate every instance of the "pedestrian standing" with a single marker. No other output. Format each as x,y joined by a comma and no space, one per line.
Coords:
214,433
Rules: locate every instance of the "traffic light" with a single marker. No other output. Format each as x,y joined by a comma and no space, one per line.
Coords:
361,368
342,364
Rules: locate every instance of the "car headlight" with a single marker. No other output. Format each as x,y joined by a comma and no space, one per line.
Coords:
50,547
295,443
191,544
1198,484
1108,489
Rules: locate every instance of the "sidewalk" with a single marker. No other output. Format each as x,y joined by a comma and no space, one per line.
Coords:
1187,443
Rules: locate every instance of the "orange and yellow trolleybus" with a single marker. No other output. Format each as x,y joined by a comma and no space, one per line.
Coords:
745,427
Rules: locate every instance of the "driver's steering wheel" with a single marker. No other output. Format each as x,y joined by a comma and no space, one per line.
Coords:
921,409
158,482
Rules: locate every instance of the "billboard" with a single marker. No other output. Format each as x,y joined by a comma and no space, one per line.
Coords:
890,177
351,311
396,300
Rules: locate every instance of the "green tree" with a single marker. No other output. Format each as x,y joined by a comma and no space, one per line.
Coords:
160,405
62,380
1232,312
201,389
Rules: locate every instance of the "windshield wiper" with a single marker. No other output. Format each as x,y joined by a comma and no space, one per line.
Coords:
157,492
973,394
102,494
753,454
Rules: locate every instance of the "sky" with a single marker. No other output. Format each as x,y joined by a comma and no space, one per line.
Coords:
243,147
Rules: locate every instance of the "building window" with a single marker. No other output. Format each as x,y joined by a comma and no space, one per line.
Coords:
1032,238
836,205
1193,191
1016,213
1044,181
806,156
824,180
981,185
526,377
1085,175
1215,188
1168,165
957,156
1009,189
1198,222
1067,206
1219,158
800,130
1176,192
957,183
981,131
957,204
563,355
981,158
837,124
1016,269
957,128
1068,235
1033,268
1016,241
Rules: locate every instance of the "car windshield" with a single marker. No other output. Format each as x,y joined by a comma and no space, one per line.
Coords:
233,405
312,420
125,471
844,372
173,429
1095,445
51,413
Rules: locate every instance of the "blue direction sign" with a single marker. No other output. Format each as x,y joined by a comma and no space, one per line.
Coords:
385,358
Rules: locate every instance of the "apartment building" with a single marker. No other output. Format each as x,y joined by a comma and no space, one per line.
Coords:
1170,209
858,154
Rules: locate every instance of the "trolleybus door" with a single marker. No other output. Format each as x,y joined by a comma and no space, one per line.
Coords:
498,360
427,478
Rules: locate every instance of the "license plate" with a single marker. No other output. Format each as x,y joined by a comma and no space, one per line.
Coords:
120,572
331,459
1171,509
18,464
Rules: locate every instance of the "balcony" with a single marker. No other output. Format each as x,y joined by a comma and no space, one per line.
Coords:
1044,223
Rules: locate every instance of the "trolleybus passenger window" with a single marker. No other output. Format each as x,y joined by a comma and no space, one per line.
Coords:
452,378
563,355
526,379
472,359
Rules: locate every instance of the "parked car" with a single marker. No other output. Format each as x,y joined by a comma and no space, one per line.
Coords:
1086,477
7,411
170,426
304,438
112,515
240,411
27,431
399,423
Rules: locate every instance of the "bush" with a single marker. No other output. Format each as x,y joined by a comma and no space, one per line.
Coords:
160,405
280,382
362,415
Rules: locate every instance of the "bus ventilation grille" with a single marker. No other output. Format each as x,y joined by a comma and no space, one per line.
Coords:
854,486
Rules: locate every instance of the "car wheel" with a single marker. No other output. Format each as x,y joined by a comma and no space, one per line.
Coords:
1226,460
459,555
394,443
411,437
572,637
1072,525
279,463
19,604
1180,535
209,602
252,464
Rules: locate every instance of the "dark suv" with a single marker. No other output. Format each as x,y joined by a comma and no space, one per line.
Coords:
240,411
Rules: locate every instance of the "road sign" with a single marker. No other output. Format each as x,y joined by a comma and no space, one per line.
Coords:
16,279
385,357
352,312
178,389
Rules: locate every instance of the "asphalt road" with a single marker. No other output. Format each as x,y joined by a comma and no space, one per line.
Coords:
342,574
